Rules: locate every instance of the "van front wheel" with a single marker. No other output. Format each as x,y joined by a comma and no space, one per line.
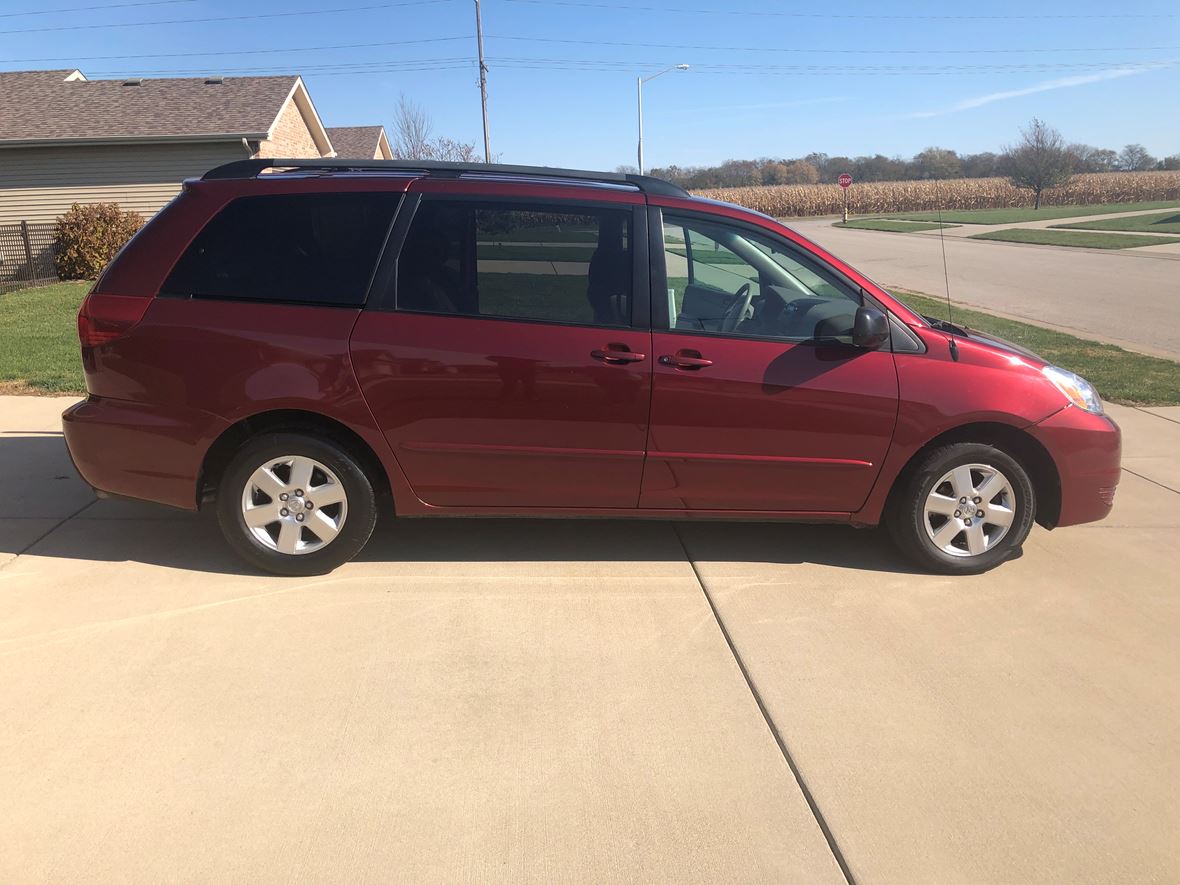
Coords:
295,504
964,509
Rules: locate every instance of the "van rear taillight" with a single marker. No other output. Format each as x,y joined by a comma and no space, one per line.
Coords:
103,318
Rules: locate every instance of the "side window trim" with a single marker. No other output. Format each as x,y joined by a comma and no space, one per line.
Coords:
662,321
383,292
383,289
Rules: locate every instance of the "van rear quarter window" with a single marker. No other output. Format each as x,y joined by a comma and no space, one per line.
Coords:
294,248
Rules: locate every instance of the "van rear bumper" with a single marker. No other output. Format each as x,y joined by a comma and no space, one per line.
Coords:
144,451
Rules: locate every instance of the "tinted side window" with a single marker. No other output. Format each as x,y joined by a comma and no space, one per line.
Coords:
306,248
550,263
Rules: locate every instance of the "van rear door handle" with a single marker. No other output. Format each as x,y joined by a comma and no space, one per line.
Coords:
617,354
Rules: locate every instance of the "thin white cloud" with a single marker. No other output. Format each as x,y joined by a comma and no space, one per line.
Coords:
1045,86
797,103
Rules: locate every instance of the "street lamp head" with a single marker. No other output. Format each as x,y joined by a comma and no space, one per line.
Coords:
682,67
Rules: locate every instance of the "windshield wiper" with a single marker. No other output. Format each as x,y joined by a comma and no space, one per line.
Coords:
944,326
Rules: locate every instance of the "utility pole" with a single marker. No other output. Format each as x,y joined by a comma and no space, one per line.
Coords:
639,96
483,86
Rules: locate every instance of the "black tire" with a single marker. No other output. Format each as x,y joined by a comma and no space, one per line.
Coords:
907,520
356,524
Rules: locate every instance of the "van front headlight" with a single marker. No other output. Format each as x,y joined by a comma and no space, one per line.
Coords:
1077,389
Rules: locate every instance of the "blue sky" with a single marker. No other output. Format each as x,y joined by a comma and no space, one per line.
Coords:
767,78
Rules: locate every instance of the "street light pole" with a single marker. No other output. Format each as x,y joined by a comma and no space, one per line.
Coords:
639,81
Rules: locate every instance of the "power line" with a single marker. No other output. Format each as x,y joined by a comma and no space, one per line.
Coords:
831,51
615,43
287,69
628,66
90,8
230,18
834,15
697,66
235,51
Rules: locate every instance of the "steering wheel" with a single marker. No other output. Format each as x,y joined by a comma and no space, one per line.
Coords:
736,312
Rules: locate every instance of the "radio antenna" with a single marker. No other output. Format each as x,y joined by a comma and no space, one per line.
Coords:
946,277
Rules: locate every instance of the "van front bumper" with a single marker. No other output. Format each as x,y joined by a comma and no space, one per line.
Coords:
1087,450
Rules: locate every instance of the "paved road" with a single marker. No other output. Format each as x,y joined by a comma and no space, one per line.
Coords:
1121,297
534,702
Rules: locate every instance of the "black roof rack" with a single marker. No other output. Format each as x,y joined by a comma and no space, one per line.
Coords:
251,168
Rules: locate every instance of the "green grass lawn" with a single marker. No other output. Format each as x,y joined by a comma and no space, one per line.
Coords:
1014,215
39,338
1076,238
544,233
708,256
1119,375
891,224
536,253
1161,223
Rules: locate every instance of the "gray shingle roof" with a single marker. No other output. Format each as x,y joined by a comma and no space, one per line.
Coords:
42,105
355,142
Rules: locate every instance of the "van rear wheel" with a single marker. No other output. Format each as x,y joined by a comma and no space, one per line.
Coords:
295,504
964,509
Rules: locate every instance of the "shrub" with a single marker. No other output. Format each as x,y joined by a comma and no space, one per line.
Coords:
88,236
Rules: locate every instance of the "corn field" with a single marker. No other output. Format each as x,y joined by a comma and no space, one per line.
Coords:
875,197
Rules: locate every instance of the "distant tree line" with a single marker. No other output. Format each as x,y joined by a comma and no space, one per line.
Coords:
932,163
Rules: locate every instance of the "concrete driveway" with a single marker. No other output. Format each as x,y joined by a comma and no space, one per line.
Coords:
500,701
1125,297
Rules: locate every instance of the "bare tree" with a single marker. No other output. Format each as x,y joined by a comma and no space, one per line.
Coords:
411,131
1040,161
414,138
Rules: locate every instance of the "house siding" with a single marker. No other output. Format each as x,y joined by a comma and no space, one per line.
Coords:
40,183
291,137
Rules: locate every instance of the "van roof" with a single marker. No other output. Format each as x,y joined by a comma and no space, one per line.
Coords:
243,169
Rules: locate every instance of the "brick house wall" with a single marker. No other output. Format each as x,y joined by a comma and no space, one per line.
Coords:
291,137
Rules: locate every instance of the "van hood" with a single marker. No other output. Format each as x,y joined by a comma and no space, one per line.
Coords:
991,340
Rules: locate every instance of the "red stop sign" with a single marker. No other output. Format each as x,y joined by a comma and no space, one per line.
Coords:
845,180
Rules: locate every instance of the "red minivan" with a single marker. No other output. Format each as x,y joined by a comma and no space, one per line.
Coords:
296,342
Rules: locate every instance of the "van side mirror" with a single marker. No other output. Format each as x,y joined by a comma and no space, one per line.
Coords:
870,329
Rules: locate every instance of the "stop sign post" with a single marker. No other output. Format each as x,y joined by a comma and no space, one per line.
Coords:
845,182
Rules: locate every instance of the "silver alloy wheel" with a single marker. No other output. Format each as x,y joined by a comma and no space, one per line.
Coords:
294,504
969,510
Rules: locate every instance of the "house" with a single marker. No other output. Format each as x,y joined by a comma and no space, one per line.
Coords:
360,142
66,139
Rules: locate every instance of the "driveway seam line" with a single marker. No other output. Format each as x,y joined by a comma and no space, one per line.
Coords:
49,531
833,846
1154,415
1152,481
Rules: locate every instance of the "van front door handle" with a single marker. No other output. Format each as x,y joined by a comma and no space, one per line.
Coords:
686,359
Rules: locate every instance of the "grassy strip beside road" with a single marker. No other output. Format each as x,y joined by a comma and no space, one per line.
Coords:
1076,238
1162,223
892,225
1016,215
1120,375
39,338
